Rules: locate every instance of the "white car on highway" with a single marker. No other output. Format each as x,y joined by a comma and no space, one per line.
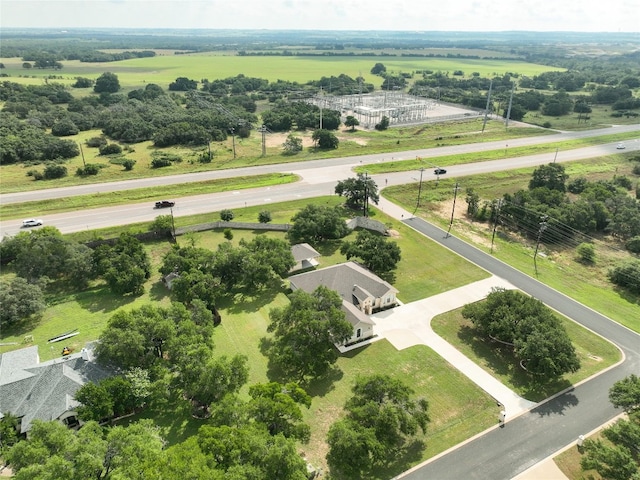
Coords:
31,222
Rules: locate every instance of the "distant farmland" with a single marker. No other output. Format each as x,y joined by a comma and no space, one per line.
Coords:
164,69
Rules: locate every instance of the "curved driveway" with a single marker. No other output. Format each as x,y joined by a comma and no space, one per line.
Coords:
502,453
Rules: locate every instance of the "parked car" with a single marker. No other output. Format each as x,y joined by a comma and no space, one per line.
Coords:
620,146
31,222
439,171
165,204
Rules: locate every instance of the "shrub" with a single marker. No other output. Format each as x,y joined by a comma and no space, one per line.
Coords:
383,125
162,223
264,216
226,215
586,252
96,142
633,244
636,169
228,234
88,169
110,149
160,162
54,171
128,164
623,181
578,185
627,275
546,124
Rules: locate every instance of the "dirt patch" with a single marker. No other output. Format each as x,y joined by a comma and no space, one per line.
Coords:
393,233
277,139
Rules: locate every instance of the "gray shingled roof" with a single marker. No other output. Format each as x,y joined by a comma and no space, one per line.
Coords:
343,278
43,391
303,251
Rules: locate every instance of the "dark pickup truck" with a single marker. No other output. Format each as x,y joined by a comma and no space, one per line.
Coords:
165,204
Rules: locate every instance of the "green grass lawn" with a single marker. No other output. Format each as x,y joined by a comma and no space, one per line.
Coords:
559,267
249,152
594,353
164,69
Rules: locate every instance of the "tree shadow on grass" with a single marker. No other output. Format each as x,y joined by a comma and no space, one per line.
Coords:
328,248
500,359
21,327
158,292
174,419
321,386
101,299
315,387
249,302
626,295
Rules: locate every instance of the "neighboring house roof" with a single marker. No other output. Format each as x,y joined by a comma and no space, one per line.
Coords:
303,251
343,278
44,391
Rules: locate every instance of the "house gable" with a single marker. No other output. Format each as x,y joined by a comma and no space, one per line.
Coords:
44,391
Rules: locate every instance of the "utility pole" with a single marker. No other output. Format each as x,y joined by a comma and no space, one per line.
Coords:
506,123
82,153
453,208
419,189
486,110
495,221
233,142
263,129
321,104
543,227
555,156
366,197
173,225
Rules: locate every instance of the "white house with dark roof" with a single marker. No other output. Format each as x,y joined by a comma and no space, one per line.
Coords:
31,390
305,256
362,292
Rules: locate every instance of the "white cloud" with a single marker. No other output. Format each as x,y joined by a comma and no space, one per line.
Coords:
461,15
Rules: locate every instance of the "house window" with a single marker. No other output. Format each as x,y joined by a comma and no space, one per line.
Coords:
358,333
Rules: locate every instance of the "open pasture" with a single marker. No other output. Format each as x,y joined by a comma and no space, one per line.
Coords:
164,69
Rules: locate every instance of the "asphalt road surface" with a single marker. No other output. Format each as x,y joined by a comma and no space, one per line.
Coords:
317,178
504,452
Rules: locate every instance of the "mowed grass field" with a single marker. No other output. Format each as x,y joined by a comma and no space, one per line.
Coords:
165,68
558,267
458,408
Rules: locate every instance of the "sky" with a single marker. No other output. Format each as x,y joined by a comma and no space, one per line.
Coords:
420,15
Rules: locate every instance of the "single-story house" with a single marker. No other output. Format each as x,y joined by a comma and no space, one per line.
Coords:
305,256
362,292
31,390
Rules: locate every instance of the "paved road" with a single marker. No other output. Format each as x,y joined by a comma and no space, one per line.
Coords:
317,178
425,154
501,453
505,452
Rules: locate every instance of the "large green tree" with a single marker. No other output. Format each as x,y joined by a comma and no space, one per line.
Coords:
552,176
357,191
54,452
315,223
125,266
625,394
617,458
539,340
305,331
382,417
107,83
376,252
19,300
